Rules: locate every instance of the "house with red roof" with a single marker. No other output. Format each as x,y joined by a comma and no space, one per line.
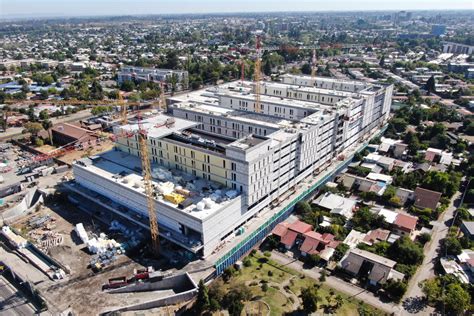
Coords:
405,225
289,233
316,243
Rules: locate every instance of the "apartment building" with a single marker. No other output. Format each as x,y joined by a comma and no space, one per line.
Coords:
230,158
139,74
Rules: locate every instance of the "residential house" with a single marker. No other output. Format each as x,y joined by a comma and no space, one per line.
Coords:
425,198
375,236
400,150
291,234
316,243
433,154
405,225
364,264
404,195
336,204
467,227
354,238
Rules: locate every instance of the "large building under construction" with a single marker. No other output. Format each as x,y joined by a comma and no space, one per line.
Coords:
221,155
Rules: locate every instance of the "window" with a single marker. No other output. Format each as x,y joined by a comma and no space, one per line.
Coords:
233,166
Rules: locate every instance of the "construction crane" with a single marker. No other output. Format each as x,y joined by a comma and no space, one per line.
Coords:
313,64
162,103
258,66
146,167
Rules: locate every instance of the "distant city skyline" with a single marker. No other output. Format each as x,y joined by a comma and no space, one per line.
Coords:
61,8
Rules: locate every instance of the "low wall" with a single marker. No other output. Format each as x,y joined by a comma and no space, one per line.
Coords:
180,282
171,282
31,200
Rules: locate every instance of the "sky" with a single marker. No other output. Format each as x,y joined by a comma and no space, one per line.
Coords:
64,8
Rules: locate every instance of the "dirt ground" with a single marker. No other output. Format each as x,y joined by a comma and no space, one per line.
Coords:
81,290
69,157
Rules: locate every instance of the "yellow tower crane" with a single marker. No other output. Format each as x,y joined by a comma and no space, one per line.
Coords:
258,66
146,167
147,179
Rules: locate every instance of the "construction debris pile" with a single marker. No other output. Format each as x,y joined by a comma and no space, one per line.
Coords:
105,249
133,236
16,240
42,232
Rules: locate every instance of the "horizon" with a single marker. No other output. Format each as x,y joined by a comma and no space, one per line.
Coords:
109,8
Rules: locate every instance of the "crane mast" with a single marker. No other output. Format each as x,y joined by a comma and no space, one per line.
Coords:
146,167
313,64
258,66
123,109
163,106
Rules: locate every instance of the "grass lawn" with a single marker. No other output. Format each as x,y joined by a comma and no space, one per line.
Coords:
279,303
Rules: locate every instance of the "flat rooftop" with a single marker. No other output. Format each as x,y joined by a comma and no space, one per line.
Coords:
276,100
157,126
237,115
126,170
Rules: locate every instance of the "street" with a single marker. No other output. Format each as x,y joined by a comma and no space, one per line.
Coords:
338,284
412,298
12,302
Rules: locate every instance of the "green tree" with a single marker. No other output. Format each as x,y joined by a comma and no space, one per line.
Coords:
395,289
452,245
431,85
127,86
306,69
202,300
310,298
457,299
44,115
405,251
33,128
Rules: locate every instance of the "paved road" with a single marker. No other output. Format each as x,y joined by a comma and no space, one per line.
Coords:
338,284
12,302
426,270
16,131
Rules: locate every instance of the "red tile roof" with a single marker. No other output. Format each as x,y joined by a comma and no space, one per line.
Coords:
406,221
72,131
377,235
289,238
310,245
314,235
280,229
300,227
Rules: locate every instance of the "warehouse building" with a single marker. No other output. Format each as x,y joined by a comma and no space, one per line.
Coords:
218,160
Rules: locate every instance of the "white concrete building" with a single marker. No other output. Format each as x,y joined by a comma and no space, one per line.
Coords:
248,158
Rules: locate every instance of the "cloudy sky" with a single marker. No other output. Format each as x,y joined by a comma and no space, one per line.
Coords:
39,8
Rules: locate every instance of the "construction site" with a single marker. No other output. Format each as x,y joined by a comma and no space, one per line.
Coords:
132,219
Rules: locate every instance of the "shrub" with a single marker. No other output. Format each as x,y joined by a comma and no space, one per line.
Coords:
264,287
247,262
267,254
270,273
424,238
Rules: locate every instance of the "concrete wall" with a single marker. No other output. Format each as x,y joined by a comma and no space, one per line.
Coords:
31,200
